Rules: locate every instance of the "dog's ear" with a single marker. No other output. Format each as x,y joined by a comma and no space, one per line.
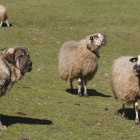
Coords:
10,55
27,53
133,59
105,36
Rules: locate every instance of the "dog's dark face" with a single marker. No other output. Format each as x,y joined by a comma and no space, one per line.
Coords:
19,57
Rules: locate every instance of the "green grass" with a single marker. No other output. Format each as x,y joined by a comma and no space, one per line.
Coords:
51,112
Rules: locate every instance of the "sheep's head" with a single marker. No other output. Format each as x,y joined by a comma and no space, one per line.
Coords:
99,39
137,64
95,41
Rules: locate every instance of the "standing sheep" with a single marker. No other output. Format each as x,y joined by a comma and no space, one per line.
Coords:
3,15
125,82
79,60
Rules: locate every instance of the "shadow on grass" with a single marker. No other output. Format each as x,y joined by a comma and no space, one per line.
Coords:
129,113
91,92
5,25
9,120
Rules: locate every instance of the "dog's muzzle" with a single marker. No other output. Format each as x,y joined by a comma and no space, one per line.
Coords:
29,65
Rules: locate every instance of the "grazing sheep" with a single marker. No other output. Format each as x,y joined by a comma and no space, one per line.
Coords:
3,15
79,60
125,82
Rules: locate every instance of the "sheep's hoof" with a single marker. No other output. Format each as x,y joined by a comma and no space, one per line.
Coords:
86,96
79,95
123,116
136,121
3,127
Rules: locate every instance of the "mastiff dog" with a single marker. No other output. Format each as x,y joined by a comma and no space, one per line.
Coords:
14,63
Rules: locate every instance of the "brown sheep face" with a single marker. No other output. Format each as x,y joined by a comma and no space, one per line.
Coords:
137,65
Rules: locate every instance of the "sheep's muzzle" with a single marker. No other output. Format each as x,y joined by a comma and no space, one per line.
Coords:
137,68
104,42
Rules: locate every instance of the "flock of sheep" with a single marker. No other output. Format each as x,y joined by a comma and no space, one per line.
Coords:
79,60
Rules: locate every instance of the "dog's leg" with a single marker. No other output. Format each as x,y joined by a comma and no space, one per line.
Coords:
7,23
9,86
1,23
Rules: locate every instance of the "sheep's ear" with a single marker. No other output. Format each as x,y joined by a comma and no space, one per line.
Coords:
105,36
91,38
133,59
95,36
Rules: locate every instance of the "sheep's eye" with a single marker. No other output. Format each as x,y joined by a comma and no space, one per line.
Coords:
21,56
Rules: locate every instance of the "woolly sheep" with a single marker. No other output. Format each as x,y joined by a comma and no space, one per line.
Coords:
79,60
3,15
125,82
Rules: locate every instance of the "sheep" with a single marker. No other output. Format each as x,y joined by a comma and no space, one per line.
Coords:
79,60
125,82
3,15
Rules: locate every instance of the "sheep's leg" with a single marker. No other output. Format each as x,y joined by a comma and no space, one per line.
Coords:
1,23
79,88
71,86
82,85
136,111
3,127
7,23
85,88
123,114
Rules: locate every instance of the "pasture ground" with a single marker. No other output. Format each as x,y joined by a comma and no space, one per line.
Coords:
40,107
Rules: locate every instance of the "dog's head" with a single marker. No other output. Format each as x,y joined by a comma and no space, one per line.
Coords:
19,57
136,67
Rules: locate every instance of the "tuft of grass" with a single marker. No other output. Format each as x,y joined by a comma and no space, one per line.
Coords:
40,106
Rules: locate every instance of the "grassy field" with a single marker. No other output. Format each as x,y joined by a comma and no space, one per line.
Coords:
49,111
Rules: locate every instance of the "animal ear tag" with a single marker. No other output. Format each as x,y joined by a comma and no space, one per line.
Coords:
91,38
133,59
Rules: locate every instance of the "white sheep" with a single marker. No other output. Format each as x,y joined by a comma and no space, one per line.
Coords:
3,15
79,60
125,82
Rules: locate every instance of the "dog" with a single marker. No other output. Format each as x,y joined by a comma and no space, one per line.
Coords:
14,63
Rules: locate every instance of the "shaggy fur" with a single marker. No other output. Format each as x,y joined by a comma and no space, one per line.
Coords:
3,15
14,63
125,82
77,61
